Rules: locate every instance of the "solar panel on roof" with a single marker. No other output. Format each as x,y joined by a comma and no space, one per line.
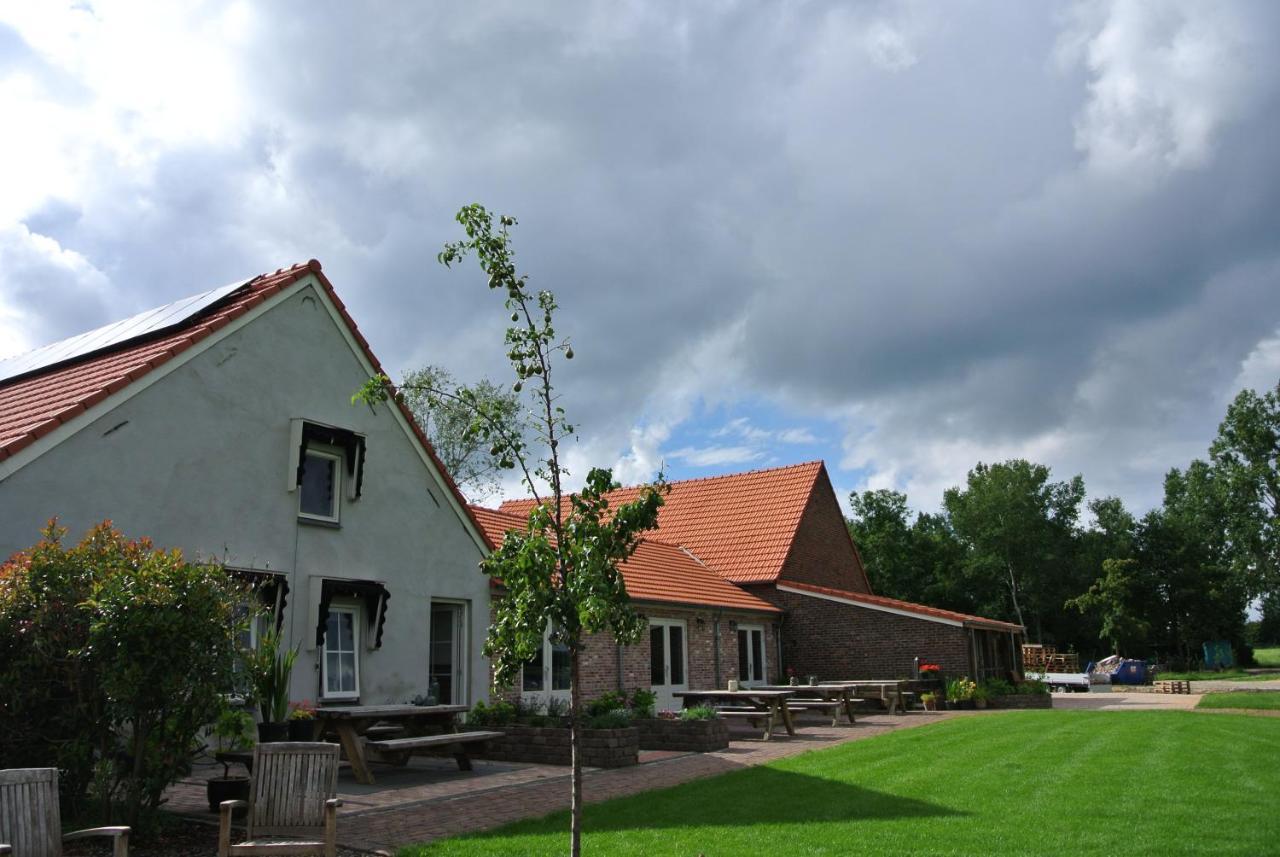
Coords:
117,333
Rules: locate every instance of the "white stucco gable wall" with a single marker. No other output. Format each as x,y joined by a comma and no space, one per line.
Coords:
197,458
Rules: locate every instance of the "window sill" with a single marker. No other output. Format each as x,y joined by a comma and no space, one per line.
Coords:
319,522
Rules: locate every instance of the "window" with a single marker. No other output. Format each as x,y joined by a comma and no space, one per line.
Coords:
448,652
340,665
550,672
320,486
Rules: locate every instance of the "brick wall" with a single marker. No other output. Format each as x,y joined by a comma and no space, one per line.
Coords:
834,641
599,665
822,552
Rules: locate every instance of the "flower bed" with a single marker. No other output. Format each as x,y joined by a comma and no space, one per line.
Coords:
549,745
697,736
1022,700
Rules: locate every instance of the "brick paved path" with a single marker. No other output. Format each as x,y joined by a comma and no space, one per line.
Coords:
539,790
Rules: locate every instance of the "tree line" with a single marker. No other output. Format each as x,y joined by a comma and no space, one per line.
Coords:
1011,543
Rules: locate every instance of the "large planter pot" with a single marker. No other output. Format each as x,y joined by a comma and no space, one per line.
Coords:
549,745
272,732
697,736
218,789
302,730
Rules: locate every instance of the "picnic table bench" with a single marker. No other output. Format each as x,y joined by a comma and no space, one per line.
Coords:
893,693
833,699
352,723
398,750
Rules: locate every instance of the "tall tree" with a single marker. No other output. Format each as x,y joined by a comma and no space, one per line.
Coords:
560,573
449,422
1018,529
1116,596
881,530
1246,453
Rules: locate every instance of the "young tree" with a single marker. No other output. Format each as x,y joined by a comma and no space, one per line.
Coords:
447,422
1116,597
560,573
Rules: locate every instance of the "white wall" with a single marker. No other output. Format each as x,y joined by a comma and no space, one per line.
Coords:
198,460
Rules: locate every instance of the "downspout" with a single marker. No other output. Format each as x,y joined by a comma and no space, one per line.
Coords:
715,646
618,664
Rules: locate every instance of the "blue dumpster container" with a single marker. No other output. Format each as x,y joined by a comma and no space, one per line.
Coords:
1130,672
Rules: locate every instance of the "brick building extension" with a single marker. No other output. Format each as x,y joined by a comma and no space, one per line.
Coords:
779,535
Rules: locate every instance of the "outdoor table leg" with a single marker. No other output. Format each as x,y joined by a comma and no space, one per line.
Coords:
786,716
354,750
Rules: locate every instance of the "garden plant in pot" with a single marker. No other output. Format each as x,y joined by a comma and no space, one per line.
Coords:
960,693
302,721
233,730
269,669
929,701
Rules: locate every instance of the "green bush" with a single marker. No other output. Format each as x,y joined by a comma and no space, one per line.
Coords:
1032,686
698,712
606,702
499,713
997,687
618,718
113,657
643,703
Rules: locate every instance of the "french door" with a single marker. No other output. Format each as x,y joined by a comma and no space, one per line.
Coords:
752,668
548,675
667,661
448,653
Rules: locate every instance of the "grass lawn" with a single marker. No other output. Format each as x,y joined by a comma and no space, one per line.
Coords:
1259,699
1034,782
1234,674
1267,657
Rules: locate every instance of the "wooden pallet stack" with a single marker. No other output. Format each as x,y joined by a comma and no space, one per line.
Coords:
1172,687
1037,658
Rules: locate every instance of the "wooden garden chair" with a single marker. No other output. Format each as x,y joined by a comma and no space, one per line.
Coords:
291,806
30,822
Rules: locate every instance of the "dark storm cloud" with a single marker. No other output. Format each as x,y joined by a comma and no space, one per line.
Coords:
951,228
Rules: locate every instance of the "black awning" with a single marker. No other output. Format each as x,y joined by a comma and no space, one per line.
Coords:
271,586
351,444
372,594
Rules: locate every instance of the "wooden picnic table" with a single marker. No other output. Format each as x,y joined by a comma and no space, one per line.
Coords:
351,722
890,691
826,692
770,702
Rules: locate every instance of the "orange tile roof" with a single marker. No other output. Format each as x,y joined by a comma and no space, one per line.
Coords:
908,607
33,405
657,571
741,524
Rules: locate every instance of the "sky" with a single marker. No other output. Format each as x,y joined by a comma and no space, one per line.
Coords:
901,237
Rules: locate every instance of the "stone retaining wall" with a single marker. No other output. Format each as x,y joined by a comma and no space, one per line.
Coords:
544,745
697,736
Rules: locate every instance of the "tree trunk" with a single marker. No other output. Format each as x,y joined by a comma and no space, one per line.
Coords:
575,749
1013,592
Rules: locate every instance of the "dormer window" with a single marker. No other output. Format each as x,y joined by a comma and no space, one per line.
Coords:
320,486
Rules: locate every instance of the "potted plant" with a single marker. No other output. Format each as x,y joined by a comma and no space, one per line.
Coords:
980,697
233,730
930,701
960,693
302,721
269,670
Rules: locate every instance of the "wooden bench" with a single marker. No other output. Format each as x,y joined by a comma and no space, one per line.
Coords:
831,706
384,730
754,716
398,750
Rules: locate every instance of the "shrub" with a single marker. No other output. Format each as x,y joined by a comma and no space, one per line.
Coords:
699,712
643,702
113,657
499,713
606,702
1032,686
618,718
960,689
997,687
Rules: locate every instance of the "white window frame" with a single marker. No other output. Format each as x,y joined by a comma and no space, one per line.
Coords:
336,457
354,609
764,653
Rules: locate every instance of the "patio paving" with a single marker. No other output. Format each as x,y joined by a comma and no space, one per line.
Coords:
430,799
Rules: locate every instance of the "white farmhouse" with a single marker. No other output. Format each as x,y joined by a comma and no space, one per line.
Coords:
222,424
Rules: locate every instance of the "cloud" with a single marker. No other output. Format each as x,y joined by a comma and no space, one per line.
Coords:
953,232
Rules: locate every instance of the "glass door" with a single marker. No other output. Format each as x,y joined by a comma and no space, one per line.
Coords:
448,654
751,659
667,662
548,675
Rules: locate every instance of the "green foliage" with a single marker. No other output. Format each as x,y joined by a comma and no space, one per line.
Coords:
498,713
1032,687
698,712
1117,597
618,718
450,421
234,728
113,657
960,689
606,702
997,687
1246,455
1256,700
270,666
643,703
